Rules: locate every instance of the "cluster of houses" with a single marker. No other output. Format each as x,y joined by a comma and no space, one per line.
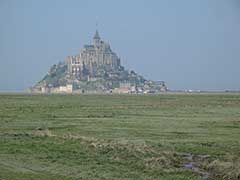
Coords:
124,88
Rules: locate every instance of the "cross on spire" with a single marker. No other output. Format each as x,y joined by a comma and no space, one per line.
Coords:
96,36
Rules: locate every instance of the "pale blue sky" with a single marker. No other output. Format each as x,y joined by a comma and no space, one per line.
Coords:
190,44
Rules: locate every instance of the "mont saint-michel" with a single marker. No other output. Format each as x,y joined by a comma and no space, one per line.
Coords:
96,69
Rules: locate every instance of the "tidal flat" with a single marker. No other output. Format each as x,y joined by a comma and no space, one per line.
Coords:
120,137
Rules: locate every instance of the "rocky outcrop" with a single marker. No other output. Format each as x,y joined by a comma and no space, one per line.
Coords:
95,69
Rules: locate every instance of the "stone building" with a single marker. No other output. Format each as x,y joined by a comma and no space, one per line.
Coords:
96,69
90,58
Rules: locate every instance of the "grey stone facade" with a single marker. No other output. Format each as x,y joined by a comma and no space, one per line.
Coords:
90,58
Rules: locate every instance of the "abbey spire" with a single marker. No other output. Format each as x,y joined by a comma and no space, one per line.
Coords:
96,39
96,36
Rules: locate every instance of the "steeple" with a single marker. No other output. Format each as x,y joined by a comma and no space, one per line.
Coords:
96,39
96,36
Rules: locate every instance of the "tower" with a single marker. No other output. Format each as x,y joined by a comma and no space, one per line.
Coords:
96,39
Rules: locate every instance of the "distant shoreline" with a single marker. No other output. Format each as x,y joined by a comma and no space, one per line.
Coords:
162,93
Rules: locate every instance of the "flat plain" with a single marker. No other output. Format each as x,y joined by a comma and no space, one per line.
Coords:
143,137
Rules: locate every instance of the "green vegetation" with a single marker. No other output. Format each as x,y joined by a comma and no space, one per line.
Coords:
56,76
166,137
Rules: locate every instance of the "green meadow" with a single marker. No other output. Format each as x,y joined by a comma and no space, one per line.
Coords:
120,137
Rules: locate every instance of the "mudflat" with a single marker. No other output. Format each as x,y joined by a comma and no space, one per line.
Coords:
168,137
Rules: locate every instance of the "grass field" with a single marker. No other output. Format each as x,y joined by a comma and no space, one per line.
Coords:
166,137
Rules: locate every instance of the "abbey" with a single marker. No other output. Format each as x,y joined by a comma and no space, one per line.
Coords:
96,69
91,58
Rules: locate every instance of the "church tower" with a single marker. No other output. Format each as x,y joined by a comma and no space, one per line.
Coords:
96,39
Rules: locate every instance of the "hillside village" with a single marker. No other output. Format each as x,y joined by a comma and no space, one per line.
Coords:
96,69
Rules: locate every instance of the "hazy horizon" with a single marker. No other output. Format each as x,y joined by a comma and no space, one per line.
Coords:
188,44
